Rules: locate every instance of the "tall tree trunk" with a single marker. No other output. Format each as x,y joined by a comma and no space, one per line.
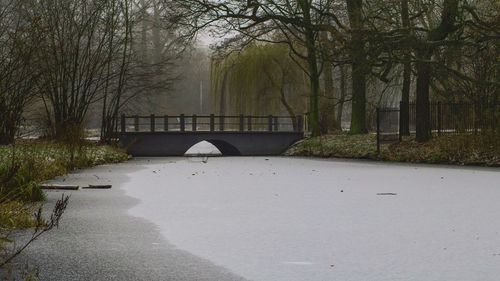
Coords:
405,94
343,94
423,122
314,97
314,73
405,98
328,103
359,67
424,68
329,120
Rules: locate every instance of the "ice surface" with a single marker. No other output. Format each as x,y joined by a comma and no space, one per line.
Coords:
287,219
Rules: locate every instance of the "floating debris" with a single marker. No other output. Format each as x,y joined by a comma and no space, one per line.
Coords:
59,187
98,186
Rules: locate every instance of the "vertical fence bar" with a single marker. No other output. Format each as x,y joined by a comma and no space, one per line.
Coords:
402,127
212,122
249,123
276,123
182,120
401,121
123,125
194,123
378,130
439,118
242,123
152,123
474,116
136,123
455,118
221,123
165,123
270,123
496,117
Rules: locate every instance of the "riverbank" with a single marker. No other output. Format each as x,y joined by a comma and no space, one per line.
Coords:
24,166
477,150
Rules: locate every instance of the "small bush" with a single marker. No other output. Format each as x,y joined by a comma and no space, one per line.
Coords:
340,146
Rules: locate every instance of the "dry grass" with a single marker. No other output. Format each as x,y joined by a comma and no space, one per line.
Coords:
24,166
481,150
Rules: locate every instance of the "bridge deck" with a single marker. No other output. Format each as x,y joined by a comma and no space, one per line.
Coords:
232,135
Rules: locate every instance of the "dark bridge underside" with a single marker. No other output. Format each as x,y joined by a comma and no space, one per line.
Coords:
156,144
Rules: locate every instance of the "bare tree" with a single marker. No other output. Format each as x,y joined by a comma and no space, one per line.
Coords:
73,58
18,75
299,23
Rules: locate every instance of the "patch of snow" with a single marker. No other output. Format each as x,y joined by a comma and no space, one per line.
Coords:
292,219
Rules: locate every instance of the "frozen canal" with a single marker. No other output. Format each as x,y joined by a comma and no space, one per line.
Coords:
292,219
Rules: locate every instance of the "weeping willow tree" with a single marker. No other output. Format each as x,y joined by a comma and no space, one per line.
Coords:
260,80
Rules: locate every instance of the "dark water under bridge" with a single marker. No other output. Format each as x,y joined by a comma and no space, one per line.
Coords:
233,135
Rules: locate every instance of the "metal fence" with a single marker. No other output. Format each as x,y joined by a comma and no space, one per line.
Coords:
210,123
445,118
388,126
456,118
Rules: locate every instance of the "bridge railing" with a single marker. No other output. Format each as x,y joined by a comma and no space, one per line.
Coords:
211,123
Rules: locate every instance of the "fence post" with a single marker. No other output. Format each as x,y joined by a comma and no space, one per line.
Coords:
300,123
475,118
221,123
183,122
306,122
249,123
270,123
276,123
136,123
439,117
378,130
123,126
165,123
496,117
193,125
242,123
212,122
152,121
401,121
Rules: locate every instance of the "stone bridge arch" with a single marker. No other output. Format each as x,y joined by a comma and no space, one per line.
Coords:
152,144
225,148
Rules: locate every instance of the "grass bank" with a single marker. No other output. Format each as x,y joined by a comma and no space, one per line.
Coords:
480,150
24,166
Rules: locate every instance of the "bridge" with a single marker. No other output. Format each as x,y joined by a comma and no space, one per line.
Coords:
233,135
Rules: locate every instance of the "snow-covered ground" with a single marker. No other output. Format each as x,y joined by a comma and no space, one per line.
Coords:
293,219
